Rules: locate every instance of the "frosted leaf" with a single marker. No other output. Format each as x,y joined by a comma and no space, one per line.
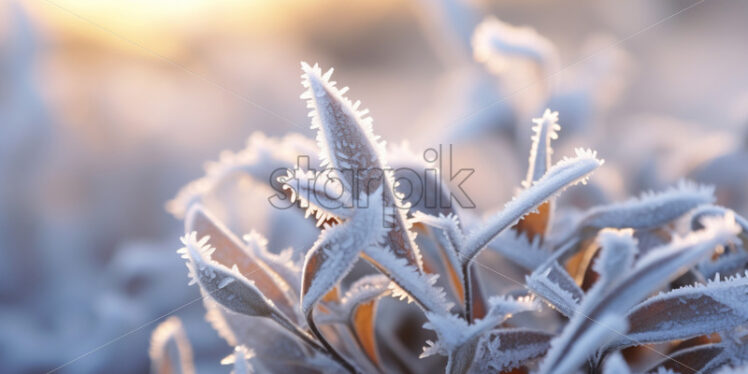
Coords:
240,360
651,271
497,44
702,359
459,341
619,248
420,181
281,263
712,210
737,369
504,349
265,337
359,306
356,156
336,250
409,282
319,193
575,346
546,129
446,241
650,209
170,350
719,305
229,251
665,263
564,174
557,288
526,253
365,289
226,286
726,264
536,224
344,133
259,159
615,364
450,224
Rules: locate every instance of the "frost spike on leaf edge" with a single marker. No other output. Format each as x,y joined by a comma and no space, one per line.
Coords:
230,251
545,129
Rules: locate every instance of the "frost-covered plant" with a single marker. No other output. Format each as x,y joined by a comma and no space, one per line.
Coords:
591,288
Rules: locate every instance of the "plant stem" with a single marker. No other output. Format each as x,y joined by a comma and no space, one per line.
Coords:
467,286
330,349
326,349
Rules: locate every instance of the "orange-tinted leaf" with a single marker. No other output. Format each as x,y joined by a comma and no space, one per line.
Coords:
536,223
362,322
230,251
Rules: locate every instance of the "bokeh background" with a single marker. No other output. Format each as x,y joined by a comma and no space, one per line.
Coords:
108,107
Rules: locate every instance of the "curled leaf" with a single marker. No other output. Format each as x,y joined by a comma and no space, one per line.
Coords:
260,159
557,288
497,44
170,349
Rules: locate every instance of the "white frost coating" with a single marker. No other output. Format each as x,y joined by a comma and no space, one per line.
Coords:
546,129
615,364
365,289
564,174
557,288
619,248
240,360
661,264
281,263
450,224
454,332
355,155
458,340
519,249
710,210
496,44
650,209
338,248
259,159
344,133
409,282
737,369
719,305
320,193
504,349
560,360
654,269
726,264
226,286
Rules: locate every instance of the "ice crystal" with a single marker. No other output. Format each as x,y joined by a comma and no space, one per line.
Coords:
590,277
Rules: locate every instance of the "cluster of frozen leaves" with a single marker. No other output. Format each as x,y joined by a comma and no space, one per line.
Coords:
655,275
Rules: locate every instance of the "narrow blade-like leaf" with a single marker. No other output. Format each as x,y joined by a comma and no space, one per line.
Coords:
565,173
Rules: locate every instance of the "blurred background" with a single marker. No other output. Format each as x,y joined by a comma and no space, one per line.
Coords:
108,107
